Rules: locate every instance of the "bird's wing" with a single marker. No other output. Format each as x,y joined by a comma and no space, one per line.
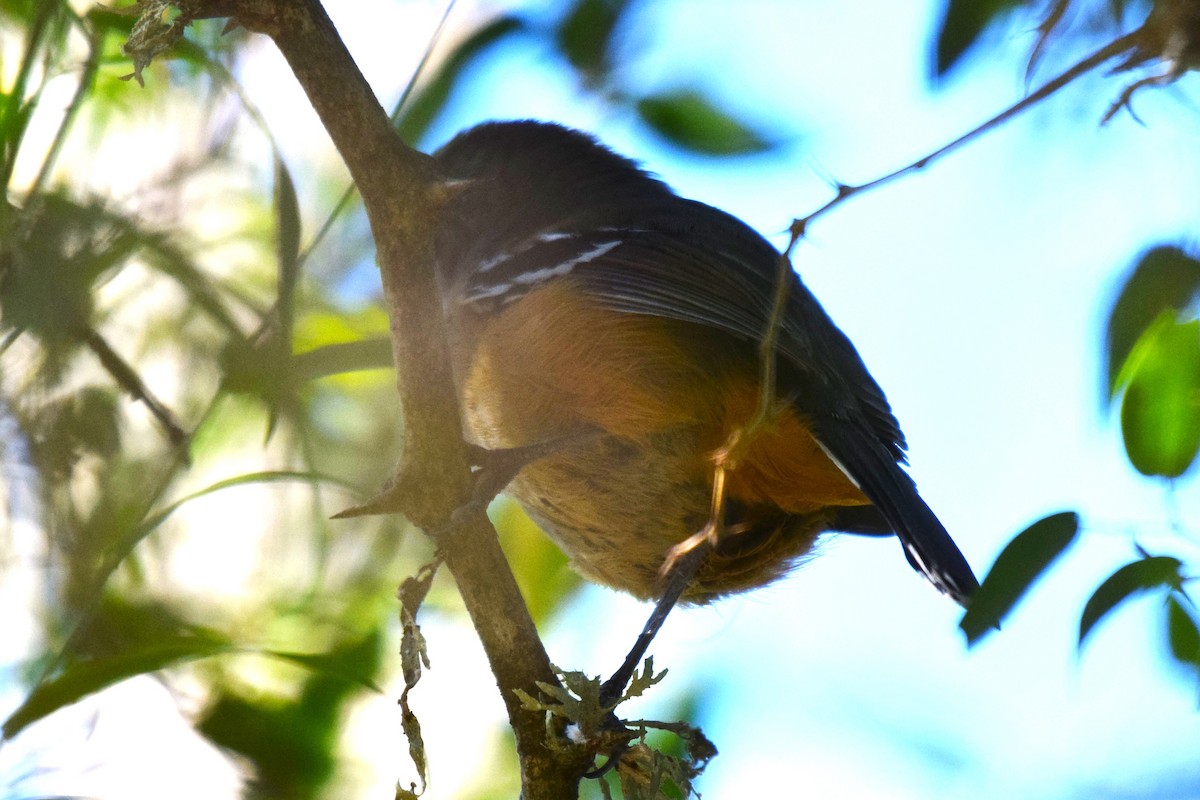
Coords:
688,261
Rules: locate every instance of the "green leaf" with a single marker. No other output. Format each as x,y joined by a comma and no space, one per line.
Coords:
1160,411
414,119
96,421
119,550
49,274
1022,562
155,519
83,678
261,366
689,120
962,24
65,428
1164,278
335,359
1139,576
288,746
287,233
1183,635
17,107
585,36
292,741
333,665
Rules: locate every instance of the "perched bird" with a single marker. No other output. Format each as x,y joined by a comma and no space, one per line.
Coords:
612,328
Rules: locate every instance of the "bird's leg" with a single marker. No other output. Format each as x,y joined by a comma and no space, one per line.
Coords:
681,575
683,561
677,573
710,534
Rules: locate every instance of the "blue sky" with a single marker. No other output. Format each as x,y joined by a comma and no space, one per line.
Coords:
976,292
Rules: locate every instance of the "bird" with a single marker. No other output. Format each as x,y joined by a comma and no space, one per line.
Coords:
608,331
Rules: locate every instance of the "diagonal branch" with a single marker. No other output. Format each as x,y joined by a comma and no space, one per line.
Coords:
402,195
129,380
1109,51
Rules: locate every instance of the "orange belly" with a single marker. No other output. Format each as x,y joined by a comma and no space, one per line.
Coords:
666,395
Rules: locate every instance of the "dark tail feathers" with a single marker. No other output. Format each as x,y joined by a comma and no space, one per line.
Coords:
927,545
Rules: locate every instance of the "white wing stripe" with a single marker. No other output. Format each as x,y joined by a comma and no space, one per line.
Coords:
530,278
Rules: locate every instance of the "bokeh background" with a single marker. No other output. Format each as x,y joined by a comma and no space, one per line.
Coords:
188,243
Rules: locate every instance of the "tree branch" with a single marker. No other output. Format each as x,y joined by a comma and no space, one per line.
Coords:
845,192
403,197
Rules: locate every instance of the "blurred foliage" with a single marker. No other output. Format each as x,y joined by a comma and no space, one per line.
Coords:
1020,563
293,742
1160,411
544,579
1161,442
592,38
585,37
146,372
1148,572
111,309
690,120
1183,632
1151,344
965,24
1164,279
1153,355
414,118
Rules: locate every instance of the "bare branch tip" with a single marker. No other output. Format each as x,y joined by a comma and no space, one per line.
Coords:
387,502
798,230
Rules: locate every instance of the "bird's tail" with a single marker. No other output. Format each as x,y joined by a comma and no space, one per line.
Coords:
926,542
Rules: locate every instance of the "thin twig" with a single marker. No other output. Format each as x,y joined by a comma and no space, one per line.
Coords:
128,379
770,339
86,76
348,193
845,192
116,553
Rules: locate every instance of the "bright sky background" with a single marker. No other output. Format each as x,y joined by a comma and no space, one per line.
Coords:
976,292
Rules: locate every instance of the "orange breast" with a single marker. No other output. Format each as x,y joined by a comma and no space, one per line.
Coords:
553,362
668,394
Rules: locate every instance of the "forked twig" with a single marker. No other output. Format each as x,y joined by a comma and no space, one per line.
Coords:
844,191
